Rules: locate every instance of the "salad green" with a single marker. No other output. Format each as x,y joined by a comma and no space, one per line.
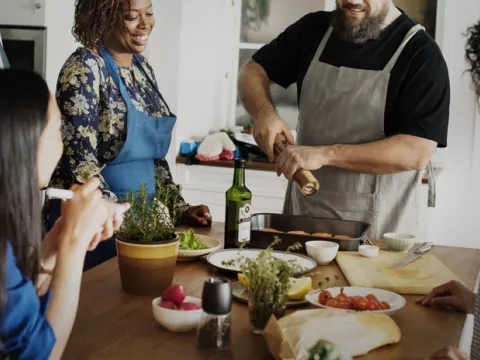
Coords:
188,241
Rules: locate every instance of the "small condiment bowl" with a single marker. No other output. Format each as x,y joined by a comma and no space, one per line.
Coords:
177,320
323,252
399,242
368,250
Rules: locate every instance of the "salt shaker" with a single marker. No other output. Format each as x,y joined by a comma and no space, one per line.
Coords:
215,323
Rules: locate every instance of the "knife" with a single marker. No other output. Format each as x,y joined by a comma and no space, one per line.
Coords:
418,252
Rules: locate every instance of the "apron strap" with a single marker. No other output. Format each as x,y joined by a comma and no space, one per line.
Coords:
413,31
323,43
3,58
115,74
432,186
138,60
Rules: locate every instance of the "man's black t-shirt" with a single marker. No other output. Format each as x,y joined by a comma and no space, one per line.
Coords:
418,98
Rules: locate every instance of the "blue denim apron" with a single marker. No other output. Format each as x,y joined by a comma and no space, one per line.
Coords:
148,138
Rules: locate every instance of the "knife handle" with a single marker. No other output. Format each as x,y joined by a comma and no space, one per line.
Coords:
422,249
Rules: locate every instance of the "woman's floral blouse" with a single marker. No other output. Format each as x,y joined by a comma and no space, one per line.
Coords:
94,120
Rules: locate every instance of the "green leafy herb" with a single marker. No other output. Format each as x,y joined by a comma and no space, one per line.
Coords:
268,283
150,219
189,241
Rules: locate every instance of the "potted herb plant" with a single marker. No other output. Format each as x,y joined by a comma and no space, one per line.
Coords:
268,283
147,245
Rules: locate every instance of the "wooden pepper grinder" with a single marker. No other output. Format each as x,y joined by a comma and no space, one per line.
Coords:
305,180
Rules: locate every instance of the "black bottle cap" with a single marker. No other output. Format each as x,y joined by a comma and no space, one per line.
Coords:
217,296
239,163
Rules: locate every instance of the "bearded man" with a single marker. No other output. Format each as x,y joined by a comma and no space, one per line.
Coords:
374,99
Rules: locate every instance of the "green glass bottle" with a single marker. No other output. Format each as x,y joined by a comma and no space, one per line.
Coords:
238,209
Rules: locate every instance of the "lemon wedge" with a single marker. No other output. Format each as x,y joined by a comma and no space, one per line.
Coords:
243,280
299,288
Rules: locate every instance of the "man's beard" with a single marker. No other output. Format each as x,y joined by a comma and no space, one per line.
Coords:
359,32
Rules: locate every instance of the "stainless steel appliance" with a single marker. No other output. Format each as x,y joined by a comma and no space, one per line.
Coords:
25,47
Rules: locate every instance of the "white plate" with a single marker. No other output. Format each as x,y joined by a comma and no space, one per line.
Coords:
212,243
396,301
216,258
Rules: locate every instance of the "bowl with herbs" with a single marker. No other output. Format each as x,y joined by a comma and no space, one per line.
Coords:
192,246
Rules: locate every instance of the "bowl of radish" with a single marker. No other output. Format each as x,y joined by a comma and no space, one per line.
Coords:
175,311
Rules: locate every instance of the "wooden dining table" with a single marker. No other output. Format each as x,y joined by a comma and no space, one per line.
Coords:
112,324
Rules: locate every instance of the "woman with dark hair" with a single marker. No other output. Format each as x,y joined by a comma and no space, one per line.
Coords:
34,322
116,124
454,295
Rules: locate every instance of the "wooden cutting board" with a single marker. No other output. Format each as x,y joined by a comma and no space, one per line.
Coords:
417,278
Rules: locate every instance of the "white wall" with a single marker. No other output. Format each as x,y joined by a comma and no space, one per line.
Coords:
60,41
456,219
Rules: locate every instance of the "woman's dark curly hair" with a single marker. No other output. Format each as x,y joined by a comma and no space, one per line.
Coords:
473,54
95,20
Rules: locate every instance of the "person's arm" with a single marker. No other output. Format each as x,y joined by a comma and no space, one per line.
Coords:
78,97
278,62
450,296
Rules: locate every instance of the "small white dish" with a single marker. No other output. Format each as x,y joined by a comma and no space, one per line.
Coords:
188,255
368,250
323,252
395,301
399,242
177,320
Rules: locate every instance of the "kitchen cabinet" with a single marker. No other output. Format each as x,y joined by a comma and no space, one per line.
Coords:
23,12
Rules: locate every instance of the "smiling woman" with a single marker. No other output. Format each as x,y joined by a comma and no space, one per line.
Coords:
116,124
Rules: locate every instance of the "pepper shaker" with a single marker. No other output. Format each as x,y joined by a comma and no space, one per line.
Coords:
215,323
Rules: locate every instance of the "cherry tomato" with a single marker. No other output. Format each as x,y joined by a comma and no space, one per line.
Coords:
324,296
385,305
344,305
342,296
359,303
371,297
332,303
373,305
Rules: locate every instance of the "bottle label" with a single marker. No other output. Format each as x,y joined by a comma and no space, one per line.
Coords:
244,222
239,219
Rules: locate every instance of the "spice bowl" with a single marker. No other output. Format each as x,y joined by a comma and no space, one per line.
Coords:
399,242
368,250
177,320
323,252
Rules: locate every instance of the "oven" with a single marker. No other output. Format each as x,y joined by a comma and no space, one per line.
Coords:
25,47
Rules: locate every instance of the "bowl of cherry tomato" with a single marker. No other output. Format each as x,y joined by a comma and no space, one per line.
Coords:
357,299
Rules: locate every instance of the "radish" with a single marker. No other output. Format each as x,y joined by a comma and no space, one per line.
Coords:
168,305
188,306
175,294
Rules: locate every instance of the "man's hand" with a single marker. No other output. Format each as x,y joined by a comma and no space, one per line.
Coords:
265,131
450,296
449,353
295,157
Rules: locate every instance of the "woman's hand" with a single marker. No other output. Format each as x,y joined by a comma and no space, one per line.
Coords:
84,215
198,216
109,228
449,353
450,296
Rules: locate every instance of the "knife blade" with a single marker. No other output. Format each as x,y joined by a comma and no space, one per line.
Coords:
418,252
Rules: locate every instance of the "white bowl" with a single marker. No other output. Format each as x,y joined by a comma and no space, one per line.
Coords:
323,252
395,301
368,250
399,242
177,320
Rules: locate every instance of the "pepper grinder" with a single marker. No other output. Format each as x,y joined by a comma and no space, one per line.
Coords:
215,323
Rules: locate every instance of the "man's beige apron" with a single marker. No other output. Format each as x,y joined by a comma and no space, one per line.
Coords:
341,105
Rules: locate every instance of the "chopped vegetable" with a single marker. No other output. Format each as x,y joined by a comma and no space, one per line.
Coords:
188,241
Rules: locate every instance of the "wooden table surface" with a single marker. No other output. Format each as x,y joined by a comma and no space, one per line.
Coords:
112,324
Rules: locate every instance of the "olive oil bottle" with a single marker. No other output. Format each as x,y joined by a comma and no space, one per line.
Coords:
238,209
